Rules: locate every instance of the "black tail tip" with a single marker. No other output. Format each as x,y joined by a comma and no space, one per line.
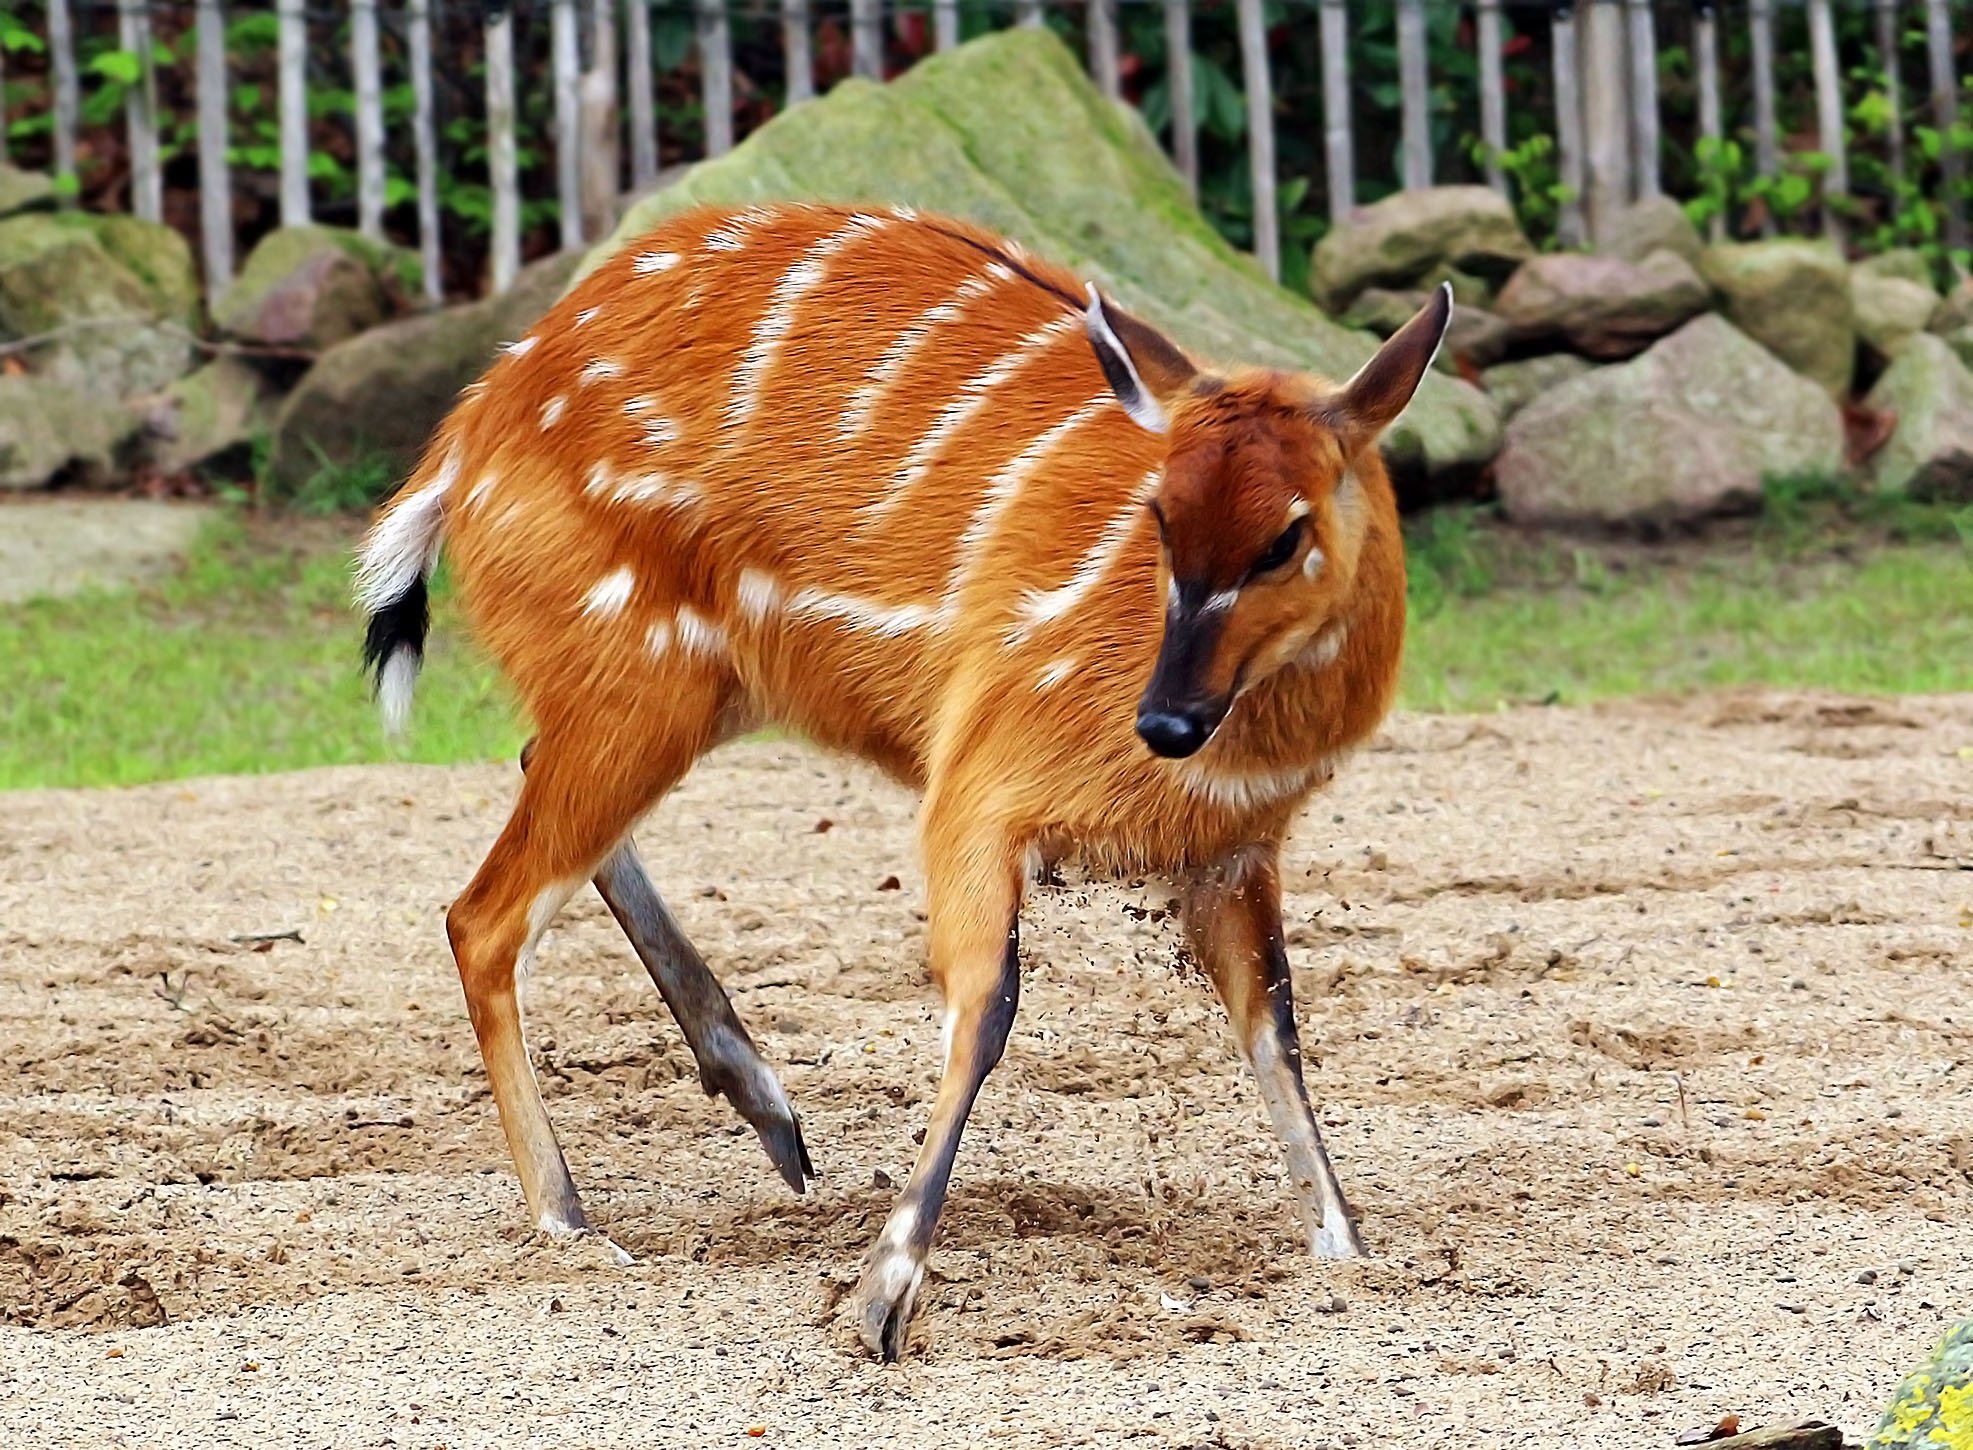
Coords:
400,624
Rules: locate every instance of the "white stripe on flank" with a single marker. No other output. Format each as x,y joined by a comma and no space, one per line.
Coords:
1057,671
974,394
858,613
551,411
657,639
1039,607
1248,791
756,594
697,634
899,354
403,544
609,595
1001,492
795,284
602,368
649,264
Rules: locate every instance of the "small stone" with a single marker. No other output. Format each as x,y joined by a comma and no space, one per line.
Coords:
1199,1283
1868,1276
1789,1306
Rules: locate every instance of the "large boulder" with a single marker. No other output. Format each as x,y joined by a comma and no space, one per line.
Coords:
1403,238
1793,298
1514,385
1889,309
24,191
114,297
311,287
52,432
1906,263
1009,132
215,411
1692,426
1952,319
1653,224
378,396
1930,450
1602,307
1933,1408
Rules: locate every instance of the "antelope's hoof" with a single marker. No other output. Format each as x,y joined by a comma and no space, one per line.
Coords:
1337,1237
782,1138
883,1303
582,1237
750,1085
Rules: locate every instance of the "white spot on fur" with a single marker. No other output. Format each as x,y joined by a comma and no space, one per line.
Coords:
523,346
756,594
610,594
858,613
1057,671
657,639
795,284
697,634
600,369
1039,607
586,316
1001,491
649,264
898,355
974,395
394,687
905,213
1323,649
1312,564
660,433
600,478
732,236
552,410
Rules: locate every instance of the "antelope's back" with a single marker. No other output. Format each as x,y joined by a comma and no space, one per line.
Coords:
843,450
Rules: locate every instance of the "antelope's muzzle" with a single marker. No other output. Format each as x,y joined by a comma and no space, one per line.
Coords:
1179,710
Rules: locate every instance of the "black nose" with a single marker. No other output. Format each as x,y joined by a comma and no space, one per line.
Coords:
1172,733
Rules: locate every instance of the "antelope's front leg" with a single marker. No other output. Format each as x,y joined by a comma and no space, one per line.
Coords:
1232,919
974,907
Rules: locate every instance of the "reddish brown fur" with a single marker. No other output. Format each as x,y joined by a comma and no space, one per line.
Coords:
959,705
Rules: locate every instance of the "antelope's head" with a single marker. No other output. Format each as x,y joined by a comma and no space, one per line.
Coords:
1261,513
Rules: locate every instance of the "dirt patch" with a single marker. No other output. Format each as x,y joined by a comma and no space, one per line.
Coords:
1640,1035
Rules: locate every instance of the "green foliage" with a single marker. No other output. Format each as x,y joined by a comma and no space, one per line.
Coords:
336,487
1539,194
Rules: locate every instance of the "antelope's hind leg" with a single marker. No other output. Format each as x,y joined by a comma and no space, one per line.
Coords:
584,788
729,1063
1232,920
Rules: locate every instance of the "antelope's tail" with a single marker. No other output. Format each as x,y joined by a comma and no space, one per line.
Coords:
392,572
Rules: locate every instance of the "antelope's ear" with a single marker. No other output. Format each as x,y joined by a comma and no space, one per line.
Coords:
1145,368
1371,401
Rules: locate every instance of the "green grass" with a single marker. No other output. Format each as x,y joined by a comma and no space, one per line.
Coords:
246,660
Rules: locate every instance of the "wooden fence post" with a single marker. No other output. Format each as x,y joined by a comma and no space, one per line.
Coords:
140,111
366,63
643,95
1103,60
945,23
1029,14
1493,94
601,148
1706,47
1606,122
566,62
1829,118
1887,62
502,160
215,173
68,93
1945,115
716,75
292,61
1259,85
1767,147
1184,107
424,139
1569,229
798,52
1416,86
866,28
1338,142
1644,143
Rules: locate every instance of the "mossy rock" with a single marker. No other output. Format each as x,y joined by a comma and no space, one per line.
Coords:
313,286
215,411
114,296
1933,1408
1007,131
1793,298
51,431
24,191
1406,237
1930,451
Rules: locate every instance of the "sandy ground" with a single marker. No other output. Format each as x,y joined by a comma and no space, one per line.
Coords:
1645,1045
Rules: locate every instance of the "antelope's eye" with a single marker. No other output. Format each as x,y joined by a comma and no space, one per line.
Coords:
1280,551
